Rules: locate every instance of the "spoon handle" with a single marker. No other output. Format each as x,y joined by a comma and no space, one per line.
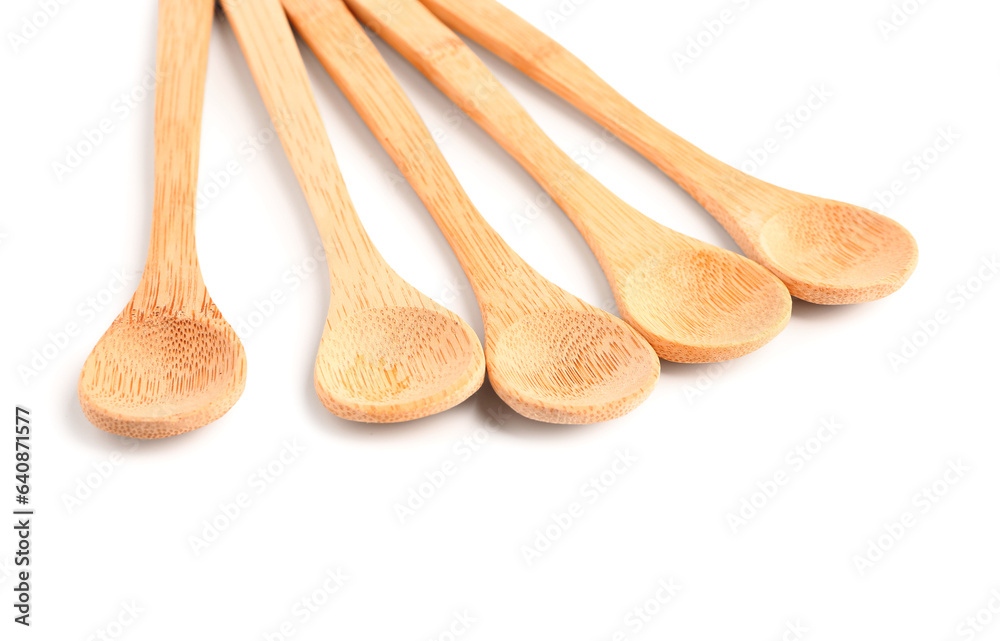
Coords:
183,30
359,70
727,193
280,74
445,59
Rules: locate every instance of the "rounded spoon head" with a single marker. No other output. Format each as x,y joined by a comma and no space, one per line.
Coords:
833,253
153,376
390,364
703,304
572,366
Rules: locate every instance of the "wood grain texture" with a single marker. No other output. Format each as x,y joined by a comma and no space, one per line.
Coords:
388,353
550,356
170,362
825,251
693,302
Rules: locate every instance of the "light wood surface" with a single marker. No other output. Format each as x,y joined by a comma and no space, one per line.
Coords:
550,356
693,302
388,353
825,251
170,362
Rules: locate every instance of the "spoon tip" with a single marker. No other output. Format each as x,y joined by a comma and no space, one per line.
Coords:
703,304
572,366
834,253
162,375
393,364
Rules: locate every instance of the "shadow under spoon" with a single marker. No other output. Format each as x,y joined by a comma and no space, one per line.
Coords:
550,356
170,362
388,353
825,251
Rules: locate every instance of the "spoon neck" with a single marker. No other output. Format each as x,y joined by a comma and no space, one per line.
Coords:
173,287
730,195
172,276
358,68
455,69
172,235
183,33
269,47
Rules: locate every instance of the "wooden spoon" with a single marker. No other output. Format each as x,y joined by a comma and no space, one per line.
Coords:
551,356
170,362
825,251
693,302
388,353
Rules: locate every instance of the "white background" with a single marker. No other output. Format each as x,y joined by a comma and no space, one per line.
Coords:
701,444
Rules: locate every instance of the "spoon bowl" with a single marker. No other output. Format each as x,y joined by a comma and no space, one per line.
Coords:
572,366
550,356
702,305
388,353
828,252
825,251
653,271
397,363
155,376
170,362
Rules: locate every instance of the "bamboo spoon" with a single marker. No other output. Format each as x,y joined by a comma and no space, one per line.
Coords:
825,251
693,302
388,353
170,362
551,356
